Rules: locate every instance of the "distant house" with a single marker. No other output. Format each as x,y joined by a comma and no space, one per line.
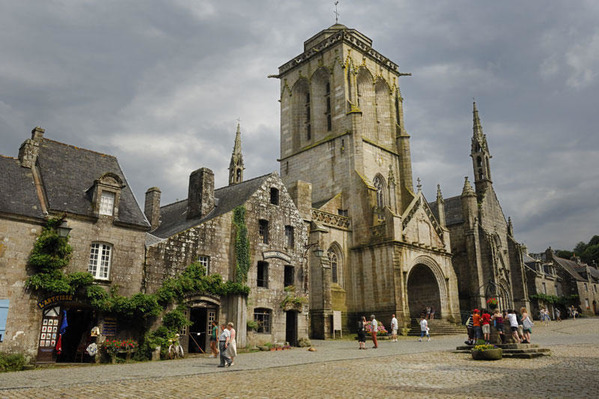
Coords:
50,179
569,279
201,229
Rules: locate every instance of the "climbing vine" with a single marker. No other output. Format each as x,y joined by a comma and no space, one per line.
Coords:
242,245
52,253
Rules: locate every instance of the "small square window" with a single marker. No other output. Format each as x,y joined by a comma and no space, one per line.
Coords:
289,237
205,261
289,278
107,203
262,317
274,196
263,230
262,275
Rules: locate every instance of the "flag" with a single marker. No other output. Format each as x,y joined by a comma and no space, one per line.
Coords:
65,324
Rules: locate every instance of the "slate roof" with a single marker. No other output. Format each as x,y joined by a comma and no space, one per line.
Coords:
17,189
453,210
68,172
174,216
568,266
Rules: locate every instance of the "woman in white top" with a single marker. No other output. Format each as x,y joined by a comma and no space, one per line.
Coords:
232,343
511,316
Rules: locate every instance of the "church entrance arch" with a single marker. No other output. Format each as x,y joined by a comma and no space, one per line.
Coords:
423,291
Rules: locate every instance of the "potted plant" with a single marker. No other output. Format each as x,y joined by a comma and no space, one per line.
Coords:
486,352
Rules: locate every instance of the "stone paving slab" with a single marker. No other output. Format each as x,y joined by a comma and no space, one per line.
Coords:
408,369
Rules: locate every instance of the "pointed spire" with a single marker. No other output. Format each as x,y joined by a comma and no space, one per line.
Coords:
468,191
479,139
439,194
236,165
510,227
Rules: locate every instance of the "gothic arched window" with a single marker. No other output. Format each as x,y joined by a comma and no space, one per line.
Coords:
334,265
379,184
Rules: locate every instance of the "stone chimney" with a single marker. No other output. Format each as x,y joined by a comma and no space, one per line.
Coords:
30,148
200,199
152,206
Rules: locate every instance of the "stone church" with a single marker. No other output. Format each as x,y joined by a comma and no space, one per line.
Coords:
487,259
375,245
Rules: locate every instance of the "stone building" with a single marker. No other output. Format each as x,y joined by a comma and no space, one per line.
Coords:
576,278
201,229
108,229
546,278
374,244
486,257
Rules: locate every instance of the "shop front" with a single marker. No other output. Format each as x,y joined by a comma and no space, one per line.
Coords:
65,330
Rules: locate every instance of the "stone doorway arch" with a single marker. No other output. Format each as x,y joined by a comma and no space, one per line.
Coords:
423,291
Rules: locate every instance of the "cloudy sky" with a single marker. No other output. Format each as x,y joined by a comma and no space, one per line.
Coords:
161,84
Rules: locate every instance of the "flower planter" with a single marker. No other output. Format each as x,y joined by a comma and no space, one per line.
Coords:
487,354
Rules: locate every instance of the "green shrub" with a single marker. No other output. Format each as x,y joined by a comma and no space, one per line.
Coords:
12,362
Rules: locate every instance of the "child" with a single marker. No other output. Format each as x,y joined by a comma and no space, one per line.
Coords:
424,330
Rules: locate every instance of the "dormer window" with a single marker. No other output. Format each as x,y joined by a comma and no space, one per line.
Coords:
107,203
105,195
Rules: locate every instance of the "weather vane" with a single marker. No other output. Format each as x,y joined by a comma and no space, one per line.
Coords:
336,13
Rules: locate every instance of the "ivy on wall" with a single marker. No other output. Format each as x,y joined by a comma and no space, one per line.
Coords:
557,300
51,253
242,245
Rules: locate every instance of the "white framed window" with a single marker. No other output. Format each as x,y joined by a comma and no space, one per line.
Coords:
205,261
100,257
107,203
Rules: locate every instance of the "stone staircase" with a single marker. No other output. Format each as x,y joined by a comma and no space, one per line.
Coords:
437,327
519,351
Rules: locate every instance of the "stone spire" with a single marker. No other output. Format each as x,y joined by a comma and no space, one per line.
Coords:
480,155
440,206
236,166
468,191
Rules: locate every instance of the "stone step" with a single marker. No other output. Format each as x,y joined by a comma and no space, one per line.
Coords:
520,351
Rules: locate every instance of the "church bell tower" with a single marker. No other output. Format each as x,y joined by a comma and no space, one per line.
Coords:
480,155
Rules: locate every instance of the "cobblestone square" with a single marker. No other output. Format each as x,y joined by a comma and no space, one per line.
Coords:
406,369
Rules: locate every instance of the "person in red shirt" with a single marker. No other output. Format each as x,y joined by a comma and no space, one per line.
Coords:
476,325
485,320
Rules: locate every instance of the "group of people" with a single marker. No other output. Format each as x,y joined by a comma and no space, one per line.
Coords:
374,324
479,325
227,345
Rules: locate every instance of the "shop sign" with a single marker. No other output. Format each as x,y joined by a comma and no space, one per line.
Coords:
54,299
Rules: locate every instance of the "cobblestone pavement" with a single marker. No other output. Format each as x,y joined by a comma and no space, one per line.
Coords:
408,368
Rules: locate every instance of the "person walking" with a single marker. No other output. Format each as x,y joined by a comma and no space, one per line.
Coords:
424,330
527,324
223,344
558,314
394,326
511,316
213,339
232,343
375,326
362,333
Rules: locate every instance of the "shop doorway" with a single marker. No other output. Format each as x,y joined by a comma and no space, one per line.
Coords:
291,327
77,335
198,331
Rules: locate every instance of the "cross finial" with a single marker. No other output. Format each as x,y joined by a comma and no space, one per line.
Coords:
336,13
419,185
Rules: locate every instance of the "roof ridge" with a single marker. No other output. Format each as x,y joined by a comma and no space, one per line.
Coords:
79,148
8,157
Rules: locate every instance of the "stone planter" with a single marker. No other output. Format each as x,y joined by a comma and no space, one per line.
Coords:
487,354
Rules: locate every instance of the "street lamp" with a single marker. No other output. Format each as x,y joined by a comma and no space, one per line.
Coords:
63,230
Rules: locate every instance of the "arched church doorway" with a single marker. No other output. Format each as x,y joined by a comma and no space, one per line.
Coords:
423,291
